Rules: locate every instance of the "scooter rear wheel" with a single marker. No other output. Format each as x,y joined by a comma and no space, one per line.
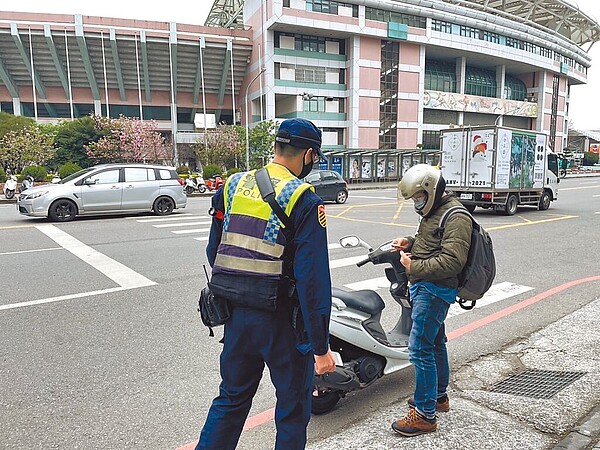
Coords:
324,401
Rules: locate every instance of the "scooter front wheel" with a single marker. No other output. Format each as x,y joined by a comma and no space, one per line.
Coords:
324,401
202,189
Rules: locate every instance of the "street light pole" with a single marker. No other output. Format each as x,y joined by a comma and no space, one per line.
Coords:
247,126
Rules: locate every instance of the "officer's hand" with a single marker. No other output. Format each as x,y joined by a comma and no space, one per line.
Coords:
324,363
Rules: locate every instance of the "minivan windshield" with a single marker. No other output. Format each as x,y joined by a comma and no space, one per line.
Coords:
76,175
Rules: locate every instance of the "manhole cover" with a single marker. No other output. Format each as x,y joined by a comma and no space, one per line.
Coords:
536,383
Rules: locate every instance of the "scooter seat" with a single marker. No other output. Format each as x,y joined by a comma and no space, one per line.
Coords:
365,301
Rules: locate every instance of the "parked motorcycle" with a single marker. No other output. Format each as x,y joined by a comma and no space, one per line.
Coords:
27,183
363,350
10,187
214,183
192,184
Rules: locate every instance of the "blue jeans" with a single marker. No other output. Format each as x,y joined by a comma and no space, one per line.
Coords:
427,349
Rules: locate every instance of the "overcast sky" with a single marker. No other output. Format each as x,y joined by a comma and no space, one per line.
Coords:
584,99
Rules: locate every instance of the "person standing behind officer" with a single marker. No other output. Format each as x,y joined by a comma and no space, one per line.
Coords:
433,260
278,285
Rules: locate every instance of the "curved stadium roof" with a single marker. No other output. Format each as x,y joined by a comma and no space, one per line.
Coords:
555,16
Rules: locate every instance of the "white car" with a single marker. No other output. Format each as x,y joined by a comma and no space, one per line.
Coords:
107,189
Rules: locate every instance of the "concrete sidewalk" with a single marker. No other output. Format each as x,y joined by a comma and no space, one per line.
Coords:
482,419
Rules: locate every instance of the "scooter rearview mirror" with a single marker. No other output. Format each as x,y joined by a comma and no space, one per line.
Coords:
349,241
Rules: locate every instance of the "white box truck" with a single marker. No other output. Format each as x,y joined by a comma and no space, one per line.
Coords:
498,167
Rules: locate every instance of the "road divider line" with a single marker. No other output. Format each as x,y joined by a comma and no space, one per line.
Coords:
119,273
344,262
205,238
61,298
31,251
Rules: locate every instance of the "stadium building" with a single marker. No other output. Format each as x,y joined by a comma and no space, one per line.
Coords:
380,77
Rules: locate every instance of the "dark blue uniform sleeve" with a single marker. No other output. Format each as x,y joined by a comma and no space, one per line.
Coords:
311,270
216,228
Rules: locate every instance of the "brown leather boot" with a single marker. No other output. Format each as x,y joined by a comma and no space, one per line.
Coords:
442,404
414,424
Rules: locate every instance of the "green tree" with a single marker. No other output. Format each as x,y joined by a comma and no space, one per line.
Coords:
10,122
225,147
26,146
261,139
71,139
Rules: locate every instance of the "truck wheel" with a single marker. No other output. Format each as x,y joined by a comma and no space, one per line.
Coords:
544,201
511,205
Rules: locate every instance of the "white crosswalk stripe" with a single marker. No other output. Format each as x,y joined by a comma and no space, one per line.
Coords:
197,230
185,224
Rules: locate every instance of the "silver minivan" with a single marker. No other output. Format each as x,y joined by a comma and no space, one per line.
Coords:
107,189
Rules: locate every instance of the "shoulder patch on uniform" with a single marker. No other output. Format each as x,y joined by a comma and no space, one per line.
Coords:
321,217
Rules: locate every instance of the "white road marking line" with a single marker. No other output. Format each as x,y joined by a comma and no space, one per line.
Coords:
169,219
344,262
205,238
197,230
186,224
334,245
173,216
119,273
31,251
61,298
497,292
373,284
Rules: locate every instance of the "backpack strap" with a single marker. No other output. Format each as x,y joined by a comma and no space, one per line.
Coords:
454,209
268,195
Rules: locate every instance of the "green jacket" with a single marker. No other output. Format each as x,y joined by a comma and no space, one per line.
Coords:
440,260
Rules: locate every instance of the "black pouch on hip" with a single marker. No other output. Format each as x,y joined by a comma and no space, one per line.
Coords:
214,310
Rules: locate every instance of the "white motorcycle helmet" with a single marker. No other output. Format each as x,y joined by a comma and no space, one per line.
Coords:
423,178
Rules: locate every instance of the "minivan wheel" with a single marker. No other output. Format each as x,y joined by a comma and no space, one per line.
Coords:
341,197
163,206
62,210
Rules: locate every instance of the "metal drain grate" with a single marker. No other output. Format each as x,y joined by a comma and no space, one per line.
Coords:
536,383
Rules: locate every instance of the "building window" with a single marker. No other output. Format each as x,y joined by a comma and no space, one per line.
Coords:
388,103
307,43
381,15
491,37
440,76
469,32
480,82
440,25
329,6
514,89
431,140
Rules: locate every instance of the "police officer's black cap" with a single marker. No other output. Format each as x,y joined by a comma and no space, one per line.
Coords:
300,133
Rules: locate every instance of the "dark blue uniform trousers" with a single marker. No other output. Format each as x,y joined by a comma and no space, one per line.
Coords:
253,338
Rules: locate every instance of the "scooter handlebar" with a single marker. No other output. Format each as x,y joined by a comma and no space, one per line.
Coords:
363,262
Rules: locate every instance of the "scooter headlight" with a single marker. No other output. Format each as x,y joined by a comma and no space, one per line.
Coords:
35,195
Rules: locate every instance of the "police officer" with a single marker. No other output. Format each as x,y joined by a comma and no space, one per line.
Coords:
278,285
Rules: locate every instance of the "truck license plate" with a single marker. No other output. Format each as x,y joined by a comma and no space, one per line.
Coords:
466,196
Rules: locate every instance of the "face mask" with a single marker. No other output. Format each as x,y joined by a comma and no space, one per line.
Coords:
420,202
306,168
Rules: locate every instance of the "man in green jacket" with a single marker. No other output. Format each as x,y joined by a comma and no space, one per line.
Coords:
433,259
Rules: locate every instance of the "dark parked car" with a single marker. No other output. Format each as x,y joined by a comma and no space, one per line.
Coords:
329,185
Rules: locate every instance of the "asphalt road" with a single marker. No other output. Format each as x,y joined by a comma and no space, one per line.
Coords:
101,345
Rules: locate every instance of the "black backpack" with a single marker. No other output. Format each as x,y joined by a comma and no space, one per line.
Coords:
480,269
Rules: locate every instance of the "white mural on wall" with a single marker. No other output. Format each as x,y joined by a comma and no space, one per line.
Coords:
473,103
